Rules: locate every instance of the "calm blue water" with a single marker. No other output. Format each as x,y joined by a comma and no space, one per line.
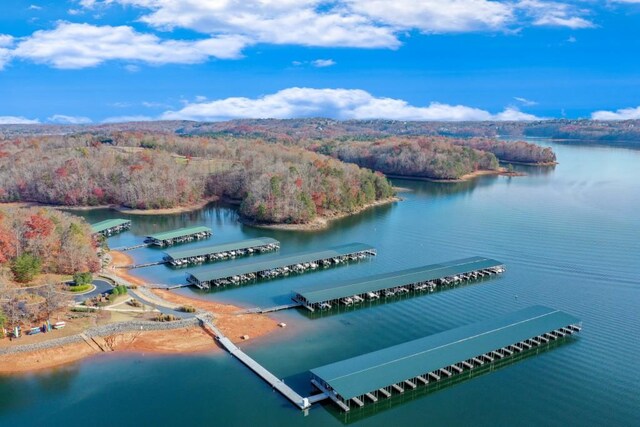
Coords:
569,235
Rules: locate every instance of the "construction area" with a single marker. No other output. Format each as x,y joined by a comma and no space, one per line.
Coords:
181,235
280,266
184,257
414,280
381,374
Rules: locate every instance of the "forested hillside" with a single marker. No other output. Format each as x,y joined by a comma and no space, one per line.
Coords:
417,157
43,240
154,170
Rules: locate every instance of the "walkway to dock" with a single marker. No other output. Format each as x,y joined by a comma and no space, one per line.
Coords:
130,248
146,264
276,383
269,309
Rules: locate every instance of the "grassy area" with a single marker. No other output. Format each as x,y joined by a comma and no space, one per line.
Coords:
80,288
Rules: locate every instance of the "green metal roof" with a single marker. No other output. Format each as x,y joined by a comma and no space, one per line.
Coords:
223,247
279,261
347,288
180,232
106,224
362,374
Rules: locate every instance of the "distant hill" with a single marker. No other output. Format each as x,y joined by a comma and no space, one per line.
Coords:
624,133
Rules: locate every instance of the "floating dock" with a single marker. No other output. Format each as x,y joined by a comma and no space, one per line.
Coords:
111,226
180,235
280,266
418,280
179,258
390,371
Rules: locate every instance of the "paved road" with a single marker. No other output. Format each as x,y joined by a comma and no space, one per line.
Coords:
102,286
164,310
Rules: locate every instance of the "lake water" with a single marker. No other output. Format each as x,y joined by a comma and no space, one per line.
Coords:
569,235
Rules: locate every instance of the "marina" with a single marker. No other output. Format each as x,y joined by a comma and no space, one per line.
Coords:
223,251
109,227
181,235
414,280
281,266
389,371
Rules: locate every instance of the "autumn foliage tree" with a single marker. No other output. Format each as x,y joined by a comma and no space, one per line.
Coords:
35,240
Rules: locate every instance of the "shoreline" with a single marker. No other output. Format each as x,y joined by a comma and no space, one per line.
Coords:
466,177
130,211
320,222
181,340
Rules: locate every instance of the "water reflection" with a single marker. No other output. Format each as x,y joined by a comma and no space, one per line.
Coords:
47,383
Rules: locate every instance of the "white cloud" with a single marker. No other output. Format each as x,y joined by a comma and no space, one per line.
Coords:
17,120
348,23
124,119
68,120
6,42
437,16
572,39
321,63
554,14
299,22
621,114
34,7
524,101
82,45
335,103
512,114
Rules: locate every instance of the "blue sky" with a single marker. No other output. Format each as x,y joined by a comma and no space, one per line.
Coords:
115,60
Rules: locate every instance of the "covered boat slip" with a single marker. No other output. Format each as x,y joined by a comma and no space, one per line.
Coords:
280,266
382,373
419,279
111,226
222,251
180,235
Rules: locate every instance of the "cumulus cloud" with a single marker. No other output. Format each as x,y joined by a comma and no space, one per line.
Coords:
68,120
72,45
347,23
17,120
230,26
299,22
336,103
621,114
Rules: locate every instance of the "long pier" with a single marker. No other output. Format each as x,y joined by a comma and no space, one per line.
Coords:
277,384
